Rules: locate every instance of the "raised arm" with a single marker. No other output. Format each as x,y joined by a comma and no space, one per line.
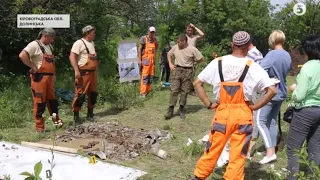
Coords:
201,34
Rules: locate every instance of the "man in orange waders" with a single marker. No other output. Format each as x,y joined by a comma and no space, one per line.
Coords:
234,79
146,54
83,58
38,55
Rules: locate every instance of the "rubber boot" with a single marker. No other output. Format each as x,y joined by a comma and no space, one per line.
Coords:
90,115
76,117
169,114
182,112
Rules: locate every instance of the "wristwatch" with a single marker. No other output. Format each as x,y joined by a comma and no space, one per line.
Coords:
209,107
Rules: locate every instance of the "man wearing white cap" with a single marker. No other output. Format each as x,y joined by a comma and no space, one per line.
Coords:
234,79
147,54
83,58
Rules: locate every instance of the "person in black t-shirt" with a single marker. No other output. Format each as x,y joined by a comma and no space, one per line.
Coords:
165,69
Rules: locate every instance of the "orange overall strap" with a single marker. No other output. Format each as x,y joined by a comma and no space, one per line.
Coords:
85,46
146,46
42,48
245,71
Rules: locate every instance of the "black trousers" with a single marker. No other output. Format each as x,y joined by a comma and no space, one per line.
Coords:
304,126
165,70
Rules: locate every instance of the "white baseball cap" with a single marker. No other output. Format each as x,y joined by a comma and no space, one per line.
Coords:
152,29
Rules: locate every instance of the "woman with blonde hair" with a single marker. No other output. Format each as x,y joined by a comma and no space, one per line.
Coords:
277,63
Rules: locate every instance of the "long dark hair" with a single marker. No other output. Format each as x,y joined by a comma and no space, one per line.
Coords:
311,46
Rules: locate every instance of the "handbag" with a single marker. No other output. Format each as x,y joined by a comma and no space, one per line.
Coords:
288,114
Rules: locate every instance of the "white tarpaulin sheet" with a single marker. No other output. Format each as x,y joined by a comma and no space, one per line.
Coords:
15,161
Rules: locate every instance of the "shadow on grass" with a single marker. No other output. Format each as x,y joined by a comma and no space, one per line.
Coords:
253,170
108,112
281,145
193,108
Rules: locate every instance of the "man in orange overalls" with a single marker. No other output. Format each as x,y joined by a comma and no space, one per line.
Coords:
38,55
83,58
147,54
234,79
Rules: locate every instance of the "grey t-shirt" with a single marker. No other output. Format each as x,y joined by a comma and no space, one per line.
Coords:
143,43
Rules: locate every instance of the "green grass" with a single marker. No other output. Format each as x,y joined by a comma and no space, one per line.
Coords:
149,114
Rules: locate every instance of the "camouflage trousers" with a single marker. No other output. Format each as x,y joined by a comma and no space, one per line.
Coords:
181,83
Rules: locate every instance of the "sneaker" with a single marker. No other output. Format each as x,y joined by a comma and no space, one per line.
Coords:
56,120
58,123
142,95
266,160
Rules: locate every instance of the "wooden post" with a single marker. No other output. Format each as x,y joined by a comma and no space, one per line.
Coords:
45,146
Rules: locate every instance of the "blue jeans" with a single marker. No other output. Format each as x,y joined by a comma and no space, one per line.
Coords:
266,123
255,132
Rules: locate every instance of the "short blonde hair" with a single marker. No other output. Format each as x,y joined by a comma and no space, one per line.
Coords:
276,37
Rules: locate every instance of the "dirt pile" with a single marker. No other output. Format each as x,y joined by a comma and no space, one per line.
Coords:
119,143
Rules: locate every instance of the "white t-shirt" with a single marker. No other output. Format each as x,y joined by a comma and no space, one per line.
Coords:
255,55
257,79
35,52
80,49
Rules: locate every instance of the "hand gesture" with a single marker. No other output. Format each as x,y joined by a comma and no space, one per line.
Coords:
33,69
292,87
76,74
172,67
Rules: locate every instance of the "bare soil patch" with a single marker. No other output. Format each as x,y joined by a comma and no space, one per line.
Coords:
118,142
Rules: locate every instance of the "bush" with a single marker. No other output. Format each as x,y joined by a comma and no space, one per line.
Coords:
15,103
314,170
120,96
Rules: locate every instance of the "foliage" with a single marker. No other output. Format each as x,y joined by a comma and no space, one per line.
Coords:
312,168
36,174
194,149
120,96
123,19
15,97
38,166
296,27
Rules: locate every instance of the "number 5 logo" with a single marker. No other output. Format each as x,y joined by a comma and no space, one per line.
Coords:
299,9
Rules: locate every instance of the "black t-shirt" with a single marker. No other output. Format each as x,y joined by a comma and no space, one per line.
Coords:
164,53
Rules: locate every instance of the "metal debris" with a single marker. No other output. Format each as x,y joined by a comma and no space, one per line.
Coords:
100,154
117,142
